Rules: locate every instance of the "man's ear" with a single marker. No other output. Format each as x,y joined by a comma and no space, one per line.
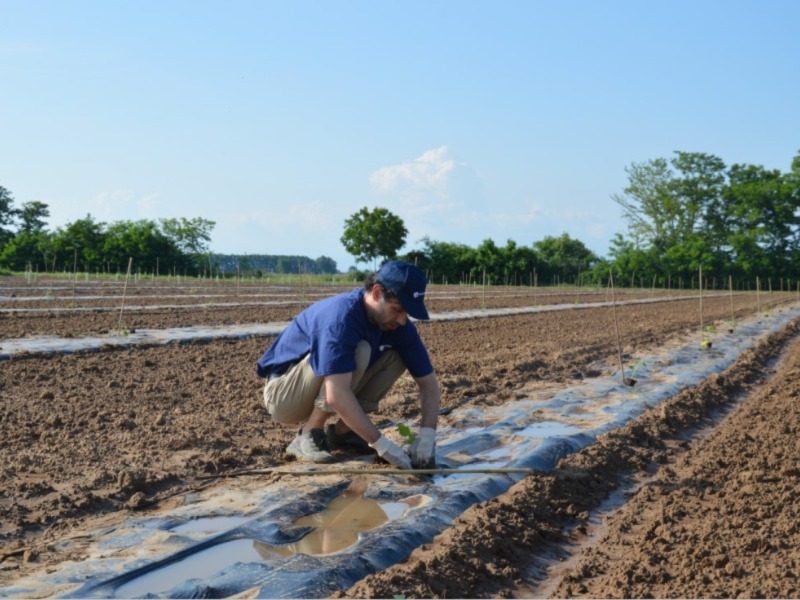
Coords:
377,292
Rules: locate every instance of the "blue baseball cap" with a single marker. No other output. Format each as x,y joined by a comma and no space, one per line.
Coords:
408,282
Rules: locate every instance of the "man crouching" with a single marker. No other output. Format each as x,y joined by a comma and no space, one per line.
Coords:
342,355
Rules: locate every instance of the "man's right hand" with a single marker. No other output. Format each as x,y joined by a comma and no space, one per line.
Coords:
391,452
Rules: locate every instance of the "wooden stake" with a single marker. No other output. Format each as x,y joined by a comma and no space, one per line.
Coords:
124,292
702,331
758,294
387,471
730,289
628,382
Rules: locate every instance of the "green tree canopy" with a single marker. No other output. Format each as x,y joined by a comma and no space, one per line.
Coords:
693,212
32,216
191,236
7,214
325,264
565,255
83,241
371,234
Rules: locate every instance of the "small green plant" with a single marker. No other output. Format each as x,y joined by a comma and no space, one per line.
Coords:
406,432
710,328
122,330
637,367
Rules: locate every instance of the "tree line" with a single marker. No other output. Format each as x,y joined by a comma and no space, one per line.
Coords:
166,246
260,264
689,212
738,222
161,247
375,234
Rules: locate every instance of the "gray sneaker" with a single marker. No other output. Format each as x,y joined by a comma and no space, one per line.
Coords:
311,447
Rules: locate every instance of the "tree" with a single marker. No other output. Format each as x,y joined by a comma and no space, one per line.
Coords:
32,215
665,203
564,255
191,236
488,261
325,264
652,213
7,215
372,234
81,241
443,260
762,220
143,241
28,250
698,193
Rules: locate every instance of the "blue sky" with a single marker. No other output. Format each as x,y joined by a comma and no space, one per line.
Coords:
469,120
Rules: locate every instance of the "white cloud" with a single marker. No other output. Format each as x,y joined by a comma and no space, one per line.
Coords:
427,174
439,196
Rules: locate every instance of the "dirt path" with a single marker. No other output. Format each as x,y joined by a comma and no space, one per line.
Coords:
84,316
720,520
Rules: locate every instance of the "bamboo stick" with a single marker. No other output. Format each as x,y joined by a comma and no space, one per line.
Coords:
389,471
625,380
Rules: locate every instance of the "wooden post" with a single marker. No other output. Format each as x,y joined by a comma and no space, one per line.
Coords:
758,294
702,331
730,289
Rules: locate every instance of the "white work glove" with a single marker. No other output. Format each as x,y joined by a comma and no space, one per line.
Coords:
391,452
423,449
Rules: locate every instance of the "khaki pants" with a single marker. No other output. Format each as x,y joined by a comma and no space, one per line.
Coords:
291,397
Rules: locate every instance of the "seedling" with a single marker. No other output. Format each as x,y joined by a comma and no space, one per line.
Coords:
710,328
406,432
123,330
637,367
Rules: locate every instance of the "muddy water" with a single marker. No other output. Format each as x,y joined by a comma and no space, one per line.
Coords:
331,530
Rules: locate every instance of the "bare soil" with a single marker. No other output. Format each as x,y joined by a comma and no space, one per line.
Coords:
95,434
716,518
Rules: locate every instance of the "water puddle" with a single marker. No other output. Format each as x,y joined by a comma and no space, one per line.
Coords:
196,566
209,524
333,529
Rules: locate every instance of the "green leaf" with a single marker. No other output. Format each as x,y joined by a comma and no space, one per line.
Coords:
405,431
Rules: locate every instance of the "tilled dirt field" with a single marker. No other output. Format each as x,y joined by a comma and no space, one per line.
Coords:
27,311
714,517
95,434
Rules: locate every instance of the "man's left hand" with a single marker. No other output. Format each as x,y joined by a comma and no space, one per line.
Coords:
422,451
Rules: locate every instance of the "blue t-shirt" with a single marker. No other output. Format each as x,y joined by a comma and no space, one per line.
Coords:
330,330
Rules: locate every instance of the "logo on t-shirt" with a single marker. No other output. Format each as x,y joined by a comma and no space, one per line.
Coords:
418,294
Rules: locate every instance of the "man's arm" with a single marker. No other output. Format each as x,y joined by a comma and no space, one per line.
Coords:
423,449
429,398
341,399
